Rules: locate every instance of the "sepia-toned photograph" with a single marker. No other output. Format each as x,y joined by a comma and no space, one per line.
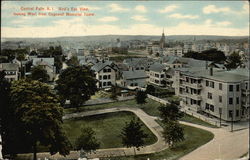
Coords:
124,80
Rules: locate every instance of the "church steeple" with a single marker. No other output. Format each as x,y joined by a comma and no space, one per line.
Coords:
162,41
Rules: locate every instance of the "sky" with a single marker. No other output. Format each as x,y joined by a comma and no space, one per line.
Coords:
227,18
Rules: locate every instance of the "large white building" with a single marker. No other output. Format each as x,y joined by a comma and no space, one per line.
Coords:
11,70
217,92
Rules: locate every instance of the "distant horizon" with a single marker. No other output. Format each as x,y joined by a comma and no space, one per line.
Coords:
40,19
118,35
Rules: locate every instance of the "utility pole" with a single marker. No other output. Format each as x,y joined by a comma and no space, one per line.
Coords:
232,123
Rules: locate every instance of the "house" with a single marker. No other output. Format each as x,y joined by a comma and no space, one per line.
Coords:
157,74
11,70
214,91
138,63
106,72
133,78
48,64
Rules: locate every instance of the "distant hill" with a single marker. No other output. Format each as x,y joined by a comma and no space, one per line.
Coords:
106,38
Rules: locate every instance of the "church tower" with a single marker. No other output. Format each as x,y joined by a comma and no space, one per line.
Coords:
162,41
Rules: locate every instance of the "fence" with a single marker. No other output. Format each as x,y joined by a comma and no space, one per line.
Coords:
162,101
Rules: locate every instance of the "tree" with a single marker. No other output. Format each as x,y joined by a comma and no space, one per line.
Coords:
133,135
76,84
87,140
173,133
40,74
113,92
170,112
73,61
39,115
233,61
141,97
150,89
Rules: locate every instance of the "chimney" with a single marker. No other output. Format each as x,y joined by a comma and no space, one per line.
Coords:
211,71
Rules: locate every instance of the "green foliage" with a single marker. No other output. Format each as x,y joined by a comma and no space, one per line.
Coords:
40,74
173,133
133,135
209,55
76,84
12,53
73,61
150,89
39,115
233,61
114,92
87,140
141,97
170,112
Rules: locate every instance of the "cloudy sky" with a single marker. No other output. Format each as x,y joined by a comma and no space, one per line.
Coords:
230,18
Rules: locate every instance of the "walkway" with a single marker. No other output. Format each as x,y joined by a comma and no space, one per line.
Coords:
145,118
225,145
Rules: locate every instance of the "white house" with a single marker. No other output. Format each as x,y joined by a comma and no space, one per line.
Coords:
11,71
106,72
133,79
48,64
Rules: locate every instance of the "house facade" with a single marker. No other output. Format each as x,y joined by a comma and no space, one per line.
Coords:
134,78
11,70
216,92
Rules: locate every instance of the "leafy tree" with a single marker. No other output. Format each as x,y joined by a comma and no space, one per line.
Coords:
173,133
133,135
73,61
76,84
170,112
40,74
87,140
233,61
39,115
150,89
141,97
157,54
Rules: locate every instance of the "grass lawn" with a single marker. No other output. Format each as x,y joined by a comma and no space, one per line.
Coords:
108,128
151,108
194,138
101,94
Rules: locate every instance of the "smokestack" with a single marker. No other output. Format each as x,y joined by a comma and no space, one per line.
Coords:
211,71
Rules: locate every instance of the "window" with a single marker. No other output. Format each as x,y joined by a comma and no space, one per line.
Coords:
100,77
104,84
220,86
231,88
212,84
157,75
237,113
209,95
212,108
230,113
230,100
237,100
220,99
109,76
109,70
237,87
207,106
207,83
105,77
162,76
246,85
109,83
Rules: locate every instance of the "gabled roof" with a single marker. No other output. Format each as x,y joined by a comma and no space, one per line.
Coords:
134,74
157,67
100,65
48,61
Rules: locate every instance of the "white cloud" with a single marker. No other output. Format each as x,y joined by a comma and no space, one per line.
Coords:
245,7
224,23
169,8
108,19
181,16
117,8
139,18
141,8
214,9
82,29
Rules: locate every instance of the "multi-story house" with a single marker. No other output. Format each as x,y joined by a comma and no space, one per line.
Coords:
157,75
11,70
106,72
217,92
48,64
